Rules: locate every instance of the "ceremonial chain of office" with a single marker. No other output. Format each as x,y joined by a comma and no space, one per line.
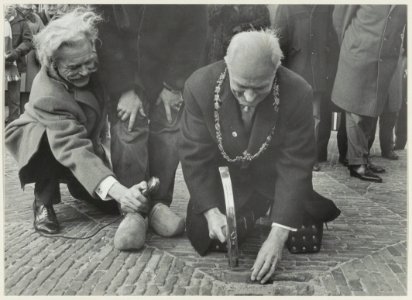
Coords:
246,156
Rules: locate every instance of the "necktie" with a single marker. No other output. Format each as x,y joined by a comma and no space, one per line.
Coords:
247,117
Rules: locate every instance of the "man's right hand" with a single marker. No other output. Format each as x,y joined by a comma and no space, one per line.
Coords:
129,106
132,199
217,224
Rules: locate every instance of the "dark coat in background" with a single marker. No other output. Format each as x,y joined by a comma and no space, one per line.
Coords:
44,17
22,40
281,175
371,45
227,20
309,43
146,45
73,120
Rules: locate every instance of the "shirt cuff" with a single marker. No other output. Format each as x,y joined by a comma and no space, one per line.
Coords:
283,226
104,187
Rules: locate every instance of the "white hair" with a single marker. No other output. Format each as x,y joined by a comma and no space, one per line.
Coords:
263,42
66,30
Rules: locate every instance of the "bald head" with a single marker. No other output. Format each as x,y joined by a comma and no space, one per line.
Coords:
254,51
252,60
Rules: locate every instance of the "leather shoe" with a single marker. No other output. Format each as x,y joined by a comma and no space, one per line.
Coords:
343,161
390,155
399,147
363,173
375,169
45,219
165,222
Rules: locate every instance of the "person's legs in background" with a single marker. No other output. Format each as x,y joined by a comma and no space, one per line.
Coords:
359,130
342,140
387,123
13,100
24,98
317,119
324,128
401,128
163,162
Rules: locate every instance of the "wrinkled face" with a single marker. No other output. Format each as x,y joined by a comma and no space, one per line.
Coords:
75,63
250,84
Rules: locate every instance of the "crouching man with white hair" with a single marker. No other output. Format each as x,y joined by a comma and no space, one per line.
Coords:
254,116
58,138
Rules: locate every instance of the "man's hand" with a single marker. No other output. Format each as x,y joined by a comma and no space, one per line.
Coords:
131,200
11,56
129,106
269,254
170,100
217,224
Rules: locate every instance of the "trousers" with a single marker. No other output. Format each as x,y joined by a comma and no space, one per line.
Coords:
51,173
360,131
401,127
13,100
150,149
387,122
322,116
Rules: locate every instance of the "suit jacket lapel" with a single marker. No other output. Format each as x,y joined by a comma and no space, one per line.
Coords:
234,136
263,123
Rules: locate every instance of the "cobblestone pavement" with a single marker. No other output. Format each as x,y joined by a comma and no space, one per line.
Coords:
363,253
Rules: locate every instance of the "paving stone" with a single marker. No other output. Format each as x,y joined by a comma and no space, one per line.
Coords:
363,253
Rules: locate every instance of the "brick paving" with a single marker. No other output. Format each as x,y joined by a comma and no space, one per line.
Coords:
364,252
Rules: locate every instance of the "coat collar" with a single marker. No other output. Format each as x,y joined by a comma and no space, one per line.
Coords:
82,95
234,135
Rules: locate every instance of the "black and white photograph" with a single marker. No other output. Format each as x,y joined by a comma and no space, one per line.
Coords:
205,149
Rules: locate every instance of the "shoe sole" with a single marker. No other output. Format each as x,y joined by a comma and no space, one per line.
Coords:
45,231
370,180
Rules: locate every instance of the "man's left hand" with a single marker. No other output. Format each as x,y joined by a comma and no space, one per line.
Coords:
171,100
269,255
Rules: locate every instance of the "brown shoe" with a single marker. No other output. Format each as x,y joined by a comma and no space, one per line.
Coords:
165,222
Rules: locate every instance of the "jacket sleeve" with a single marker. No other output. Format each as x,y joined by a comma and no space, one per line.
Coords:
70,145
189,44
198,156
26,44
294,162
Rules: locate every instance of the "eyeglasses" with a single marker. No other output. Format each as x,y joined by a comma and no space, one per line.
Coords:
90,65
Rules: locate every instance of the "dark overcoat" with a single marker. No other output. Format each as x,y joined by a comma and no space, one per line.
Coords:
227,20
73,120
371,44
22,40
309,43
143,46
283,173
